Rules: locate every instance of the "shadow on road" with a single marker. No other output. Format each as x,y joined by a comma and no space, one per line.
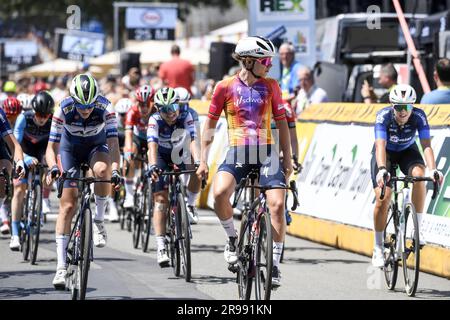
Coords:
20,293
431,293
207,247
212,280
112,259
321,261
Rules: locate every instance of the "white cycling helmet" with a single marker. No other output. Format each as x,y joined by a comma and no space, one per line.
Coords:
402,94
183,95
256,47
123,105
25,99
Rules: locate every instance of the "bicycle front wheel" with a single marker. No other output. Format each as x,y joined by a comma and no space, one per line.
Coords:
411,252
85,256
184,237
137,226
391,237
25,227
264,258
148,214
245,266
35,226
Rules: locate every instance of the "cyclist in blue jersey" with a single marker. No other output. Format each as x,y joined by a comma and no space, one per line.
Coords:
32,130
395,142
194,182
167,134
84,130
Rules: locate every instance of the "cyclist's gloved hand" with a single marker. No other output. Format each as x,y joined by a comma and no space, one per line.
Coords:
20,168
116,178
54,172
154,171
441,176
381,173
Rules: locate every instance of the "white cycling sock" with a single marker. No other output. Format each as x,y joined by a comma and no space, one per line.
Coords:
379,239
61,244
3,212
161,242
192,197
129,188
100,204
277,250
228,225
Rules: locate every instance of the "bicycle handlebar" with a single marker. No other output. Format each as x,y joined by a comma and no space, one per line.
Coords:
87,180
411,179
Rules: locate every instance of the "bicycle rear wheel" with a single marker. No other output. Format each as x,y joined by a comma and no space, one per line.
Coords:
148,214
245,267
390,235
85,254
35,226
411,252
184,237
264,258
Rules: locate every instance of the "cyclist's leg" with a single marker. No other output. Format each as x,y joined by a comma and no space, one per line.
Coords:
159,223
5,162
192,193
20,187
100,163
379,213
129,182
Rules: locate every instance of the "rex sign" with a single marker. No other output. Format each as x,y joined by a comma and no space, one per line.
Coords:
289,9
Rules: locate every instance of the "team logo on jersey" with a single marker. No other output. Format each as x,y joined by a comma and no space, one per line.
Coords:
394,139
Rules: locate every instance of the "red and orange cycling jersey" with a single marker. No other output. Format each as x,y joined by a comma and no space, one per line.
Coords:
248,109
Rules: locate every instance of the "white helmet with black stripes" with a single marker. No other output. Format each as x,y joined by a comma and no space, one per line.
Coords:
256,47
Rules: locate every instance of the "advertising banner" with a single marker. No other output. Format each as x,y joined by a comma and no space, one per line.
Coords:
297,17
18,54
151,23
79,45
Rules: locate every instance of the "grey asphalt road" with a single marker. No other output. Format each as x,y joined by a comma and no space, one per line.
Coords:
310,271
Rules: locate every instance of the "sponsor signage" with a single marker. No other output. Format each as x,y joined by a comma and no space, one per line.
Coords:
151,23
79,45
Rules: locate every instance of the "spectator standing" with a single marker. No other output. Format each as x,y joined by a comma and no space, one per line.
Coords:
309,92
387,79
289,70
177,72
441,75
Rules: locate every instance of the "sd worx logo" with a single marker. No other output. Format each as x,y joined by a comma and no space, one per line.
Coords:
281,5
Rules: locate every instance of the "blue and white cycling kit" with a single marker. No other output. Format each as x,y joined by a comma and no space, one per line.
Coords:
171,140
80,138
401,147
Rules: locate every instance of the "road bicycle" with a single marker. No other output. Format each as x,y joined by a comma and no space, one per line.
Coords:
80,245
401,234
255,244
32,216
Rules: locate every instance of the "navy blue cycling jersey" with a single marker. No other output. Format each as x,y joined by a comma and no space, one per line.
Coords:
69,128
31,136
398,137
5,128
167,136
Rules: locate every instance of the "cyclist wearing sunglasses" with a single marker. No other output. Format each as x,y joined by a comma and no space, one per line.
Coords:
136,123
169,134
32,131
250,101
395,141
84,130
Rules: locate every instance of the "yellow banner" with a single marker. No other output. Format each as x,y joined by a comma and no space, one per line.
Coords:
438,115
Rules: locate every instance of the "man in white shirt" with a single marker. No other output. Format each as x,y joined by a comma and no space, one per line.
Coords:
309,93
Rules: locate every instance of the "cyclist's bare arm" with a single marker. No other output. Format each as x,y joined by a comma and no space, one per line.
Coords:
428,153
195,150
152,153
207,138
128,140
294,141
380,152
14,145
113,145
285,146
